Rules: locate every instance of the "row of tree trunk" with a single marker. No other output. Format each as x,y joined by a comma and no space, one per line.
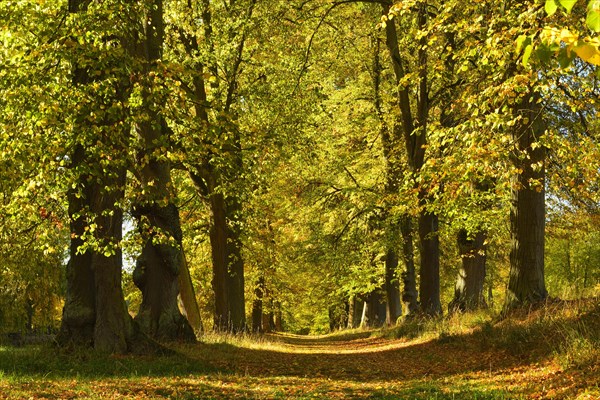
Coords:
95,313
526,282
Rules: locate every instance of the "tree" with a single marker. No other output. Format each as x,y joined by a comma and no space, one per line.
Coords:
159,265
32,206
214,150
95,311
526,283
394,174
415,131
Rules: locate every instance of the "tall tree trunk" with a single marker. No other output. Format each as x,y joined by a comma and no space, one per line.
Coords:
392,289
228,266
526,283
113,326
409,279
394,174
468,292
355,311
415,139
237,299
429,273
95,312
79,311
278,317
218,244
226,207
374,311
157,268
257,306
268,317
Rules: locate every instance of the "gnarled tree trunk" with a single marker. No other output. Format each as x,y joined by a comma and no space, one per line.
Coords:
158,266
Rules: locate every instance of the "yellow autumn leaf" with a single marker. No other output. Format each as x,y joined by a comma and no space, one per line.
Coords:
588,53
567,36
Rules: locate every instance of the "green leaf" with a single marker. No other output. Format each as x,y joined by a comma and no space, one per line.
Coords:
593,20
544,53
565,58
551,7
568,4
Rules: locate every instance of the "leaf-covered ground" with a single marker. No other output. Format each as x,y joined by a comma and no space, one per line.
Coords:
526,358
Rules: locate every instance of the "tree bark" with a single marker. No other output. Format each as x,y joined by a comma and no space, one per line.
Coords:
278,317
156,275
257,306
394,174
237,299
392,289
113,326
468,292
526,283
410,295
429,273
79,311
225,206
95,312
268,317
355,312
187,295
228,266
374,311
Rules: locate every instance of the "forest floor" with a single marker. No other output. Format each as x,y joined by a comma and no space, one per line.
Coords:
551,353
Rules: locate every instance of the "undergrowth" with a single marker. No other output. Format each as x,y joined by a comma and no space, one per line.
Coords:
569,330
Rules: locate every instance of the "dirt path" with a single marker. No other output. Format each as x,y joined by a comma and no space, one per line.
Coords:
356,357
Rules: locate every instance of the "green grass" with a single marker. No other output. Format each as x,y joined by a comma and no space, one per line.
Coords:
36,361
